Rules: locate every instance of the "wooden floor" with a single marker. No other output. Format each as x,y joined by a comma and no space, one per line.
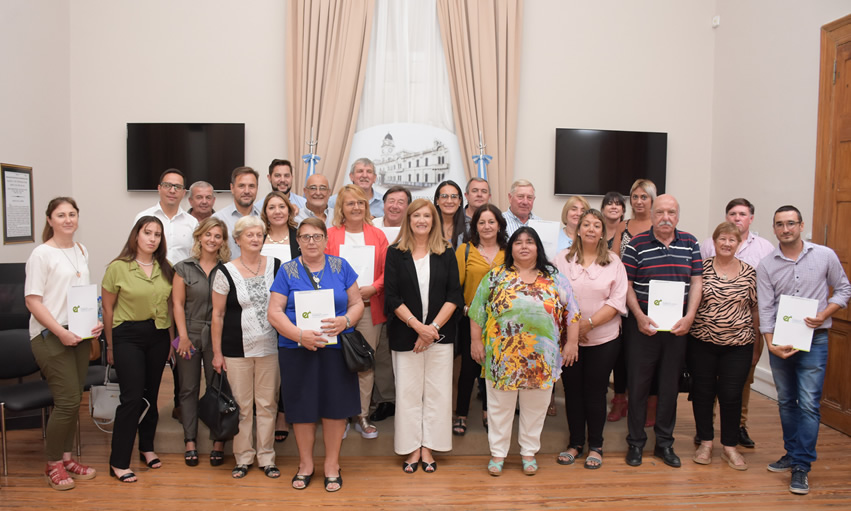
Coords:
461,482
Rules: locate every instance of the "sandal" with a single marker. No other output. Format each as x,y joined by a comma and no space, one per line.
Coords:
565,458
731,460
530,467
338,480
703,454
271,471
302,478
123,478
281,435
410,468
56,475
459,427
495,467
190,456
429,468
594,459
217,458
79,471
239,471
154,463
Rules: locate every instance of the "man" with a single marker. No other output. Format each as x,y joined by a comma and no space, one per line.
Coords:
521,199
752,249
396,200
362,174
662,253
281,178
243,187
202,198
803,269
178,225
478,193
316,193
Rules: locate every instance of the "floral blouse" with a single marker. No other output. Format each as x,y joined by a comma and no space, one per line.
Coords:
524,327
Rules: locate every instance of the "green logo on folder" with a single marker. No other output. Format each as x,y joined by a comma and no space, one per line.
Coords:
305,315
787,318
657,302
76,308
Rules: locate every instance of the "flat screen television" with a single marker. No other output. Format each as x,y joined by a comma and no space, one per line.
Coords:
202,151
594,162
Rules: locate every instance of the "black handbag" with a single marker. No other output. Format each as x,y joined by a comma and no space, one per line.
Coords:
218,410
357,353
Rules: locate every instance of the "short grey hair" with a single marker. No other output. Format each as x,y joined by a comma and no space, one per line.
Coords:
520,182
200,184
477,180
245,223
362,161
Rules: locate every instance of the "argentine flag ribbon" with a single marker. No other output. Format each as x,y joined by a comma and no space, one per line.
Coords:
481,161
311,160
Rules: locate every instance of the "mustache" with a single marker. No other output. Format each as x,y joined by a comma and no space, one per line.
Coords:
666,223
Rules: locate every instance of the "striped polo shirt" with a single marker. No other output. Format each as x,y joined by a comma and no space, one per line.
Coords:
647,258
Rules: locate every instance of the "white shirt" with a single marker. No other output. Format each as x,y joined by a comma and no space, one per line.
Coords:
423,268
50,274
229,216
177,231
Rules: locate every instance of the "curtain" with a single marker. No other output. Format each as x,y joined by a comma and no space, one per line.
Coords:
481,39
327,43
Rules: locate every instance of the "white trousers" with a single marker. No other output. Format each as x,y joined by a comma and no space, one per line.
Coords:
533,411
423,399
255,383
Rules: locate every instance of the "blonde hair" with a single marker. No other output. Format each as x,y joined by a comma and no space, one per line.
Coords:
577,249
245,223
570,203
339,219
646,185
436,243
206,225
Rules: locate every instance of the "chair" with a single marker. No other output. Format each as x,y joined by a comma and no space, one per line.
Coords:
17,361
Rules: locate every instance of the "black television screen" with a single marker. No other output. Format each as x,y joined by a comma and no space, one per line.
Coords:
594,162
202,151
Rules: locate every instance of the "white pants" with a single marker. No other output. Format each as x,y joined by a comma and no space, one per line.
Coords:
255,383
533,411
371,333
423,399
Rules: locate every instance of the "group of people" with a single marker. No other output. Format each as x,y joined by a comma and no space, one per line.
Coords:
224,286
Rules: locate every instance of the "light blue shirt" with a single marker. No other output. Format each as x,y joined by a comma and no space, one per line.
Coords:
513,223
564,241
229,216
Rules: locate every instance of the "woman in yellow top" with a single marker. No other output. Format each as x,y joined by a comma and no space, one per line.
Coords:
484,251
136,292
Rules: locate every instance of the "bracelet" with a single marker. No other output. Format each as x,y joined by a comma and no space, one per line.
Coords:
348,323
591,323
409,320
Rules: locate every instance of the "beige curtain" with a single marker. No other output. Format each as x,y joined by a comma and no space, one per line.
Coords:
481,39
327,43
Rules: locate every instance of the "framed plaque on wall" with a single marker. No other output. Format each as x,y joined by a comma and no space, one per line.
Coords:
17,204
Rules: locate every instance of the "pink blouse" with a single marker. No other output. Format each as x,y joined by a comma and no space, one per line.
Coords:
595,287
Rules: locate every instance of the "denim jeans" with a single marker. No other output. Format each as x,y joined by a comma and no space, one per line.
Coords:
799,380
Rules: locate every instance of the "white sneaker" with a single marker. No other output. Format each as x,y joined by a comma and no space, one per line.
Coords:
346,432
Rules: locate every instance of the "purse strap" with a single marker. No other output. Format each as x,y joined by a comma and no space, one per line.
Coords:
309,278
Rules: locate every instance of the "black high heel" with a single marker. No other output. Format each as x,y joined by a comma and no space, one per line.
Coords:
190,456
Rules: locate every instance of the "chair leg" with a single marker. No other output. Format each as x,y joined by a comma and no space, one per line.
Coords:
3,429
79,438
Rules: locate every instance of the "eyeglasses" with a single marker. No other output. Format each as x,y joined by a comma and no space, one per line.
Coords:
453,196
789,225
313,188
307,238
173,186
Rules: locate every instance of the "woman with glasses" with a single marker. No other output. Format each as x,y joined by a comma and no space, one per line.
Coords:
570,213
613,209
448,199
352,232
315,382
422,293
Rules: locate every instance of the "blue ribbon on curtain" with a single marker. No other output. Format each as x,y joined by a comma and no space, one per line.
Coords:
311,160
481,161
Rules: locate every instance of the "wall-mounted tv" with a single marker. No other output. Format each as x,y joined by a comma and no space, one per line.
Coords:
202,151
594,162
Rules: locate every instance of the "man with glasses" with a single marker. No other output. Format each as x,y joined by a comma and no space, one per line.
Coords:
752,250
802,269
281,178
316,193
363,176
202,198
178,225
243,187
521,199
478,193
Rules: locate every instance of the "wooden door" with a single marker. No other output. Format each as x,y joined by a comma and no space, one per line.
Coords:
832,211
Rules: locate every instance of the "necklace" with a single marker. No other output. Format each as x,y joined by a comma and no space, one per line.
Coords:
145,264
276,242
316,278
74,264
249,269
489,254
723,273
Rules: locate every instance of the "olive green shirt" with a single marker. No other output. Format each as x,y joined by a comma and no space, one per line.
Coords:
138,297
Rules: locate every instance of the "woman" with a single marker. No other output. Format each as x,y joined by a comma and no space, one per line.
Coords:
448,199
63,356
193,310
136,294
244,345
352,229
721,345
599,281
279,216
484,252
520,313
316,384
422,291
613,208
570,213
641,197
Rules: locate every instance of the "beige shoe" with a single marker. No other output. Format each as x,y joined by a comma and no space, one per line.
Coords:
735,460
703,454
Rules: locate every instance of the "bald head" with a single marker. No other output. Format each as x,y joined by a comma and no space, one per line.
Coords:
316,192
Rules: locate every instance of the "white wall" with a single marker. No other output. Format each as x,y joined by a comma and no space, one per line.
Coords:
166,61
34,101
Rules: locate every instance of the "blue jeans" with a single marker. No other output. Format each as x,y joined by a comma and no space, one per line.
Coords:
799,380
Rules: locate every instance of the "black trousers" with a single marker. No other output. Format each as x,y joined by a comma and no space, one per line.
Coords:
718,371
470,370
585,385
664,355
620,368
139,351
